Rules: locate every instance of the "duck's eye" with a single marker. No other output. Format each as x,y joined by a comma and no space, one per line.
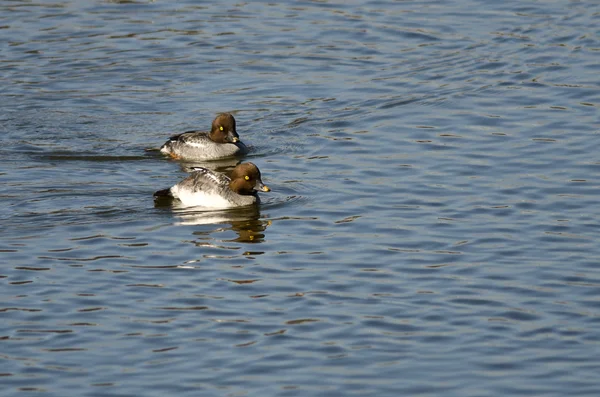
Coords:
247,178
221,128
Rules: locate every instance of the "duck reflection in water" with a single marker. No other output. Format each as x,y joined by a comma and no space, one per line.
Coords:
245,222
224,166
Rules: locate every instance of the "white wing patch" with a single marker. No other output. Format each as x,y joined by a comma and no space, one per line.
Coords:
196,144
196,139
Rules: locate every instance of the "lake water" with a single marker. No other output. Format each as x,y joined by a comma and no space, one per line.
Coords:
433,227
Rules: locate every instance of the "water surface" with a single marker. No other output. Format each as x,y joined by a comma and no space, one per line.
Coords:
432,227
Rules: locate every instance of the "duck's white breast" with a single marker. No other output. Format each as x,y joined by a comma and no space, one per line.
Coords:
200,198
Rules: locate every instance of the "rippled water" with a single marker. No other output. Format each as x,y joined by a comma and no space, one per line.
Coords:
432,227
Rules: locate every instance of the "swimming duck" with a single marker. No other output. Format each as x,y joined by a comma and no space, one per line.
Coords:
207,188
222,141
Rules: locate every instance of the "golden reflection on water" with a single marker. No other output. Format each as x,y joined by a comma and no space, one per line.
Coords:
244,221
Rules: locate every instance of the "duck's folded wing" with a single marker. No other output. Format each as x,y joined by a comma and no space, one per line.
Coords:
203,179
190,138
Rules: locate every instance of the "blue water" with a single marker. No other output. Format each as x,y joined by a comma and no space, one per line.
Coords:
433,226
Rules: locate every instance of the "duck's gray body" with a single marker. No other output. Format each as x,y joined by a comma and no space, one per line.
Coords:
196,145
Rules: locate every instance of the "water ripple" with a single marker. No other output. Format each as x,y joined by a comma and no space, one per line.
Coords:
434,177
